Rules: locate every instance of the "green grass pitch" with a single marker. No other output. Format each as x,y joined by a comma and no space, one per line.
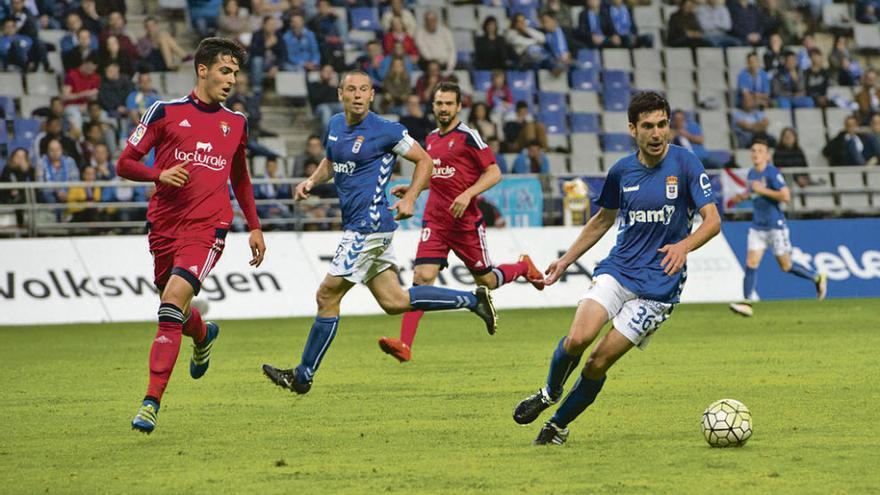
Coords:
442,423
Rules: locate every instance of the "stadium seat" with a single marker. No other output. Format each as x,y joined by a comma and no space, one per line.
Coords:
25,129
258,166
736,58
649,79
576,14
554,122
464,81
365,18
552,102
805,118
711,58
482,79
464,45
585,144
291,84
277,144
585,122
4,137
617,142
712,99
711,78
484,11
27,104
585,80
549,82
11,85
583,163
609,158
648,16
462,18
616,59
615,122
680,79
647,59
585,101
819,200
558,163
867,36
521,80
616,99
558,142
854,201
836,15
716,130
615,79
523,95
678,58
7,103
834,119
680,98
52,36
179,83
872,179
588,59
44,84
779,118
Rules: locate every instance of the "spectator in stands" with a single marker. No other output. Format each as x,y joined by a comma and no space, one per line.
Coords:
251,103
74,57
817,79
788,154
274,8
301,46
314,152
773,20
431,77
254,147
273,191
330,31
396,34
18,169
116,27
590,31
755,81
114,90
526,42
531,160
560,11
80,87
53,131
55,166
872,141
111,53
27,26
204,16
868,97
158,50
494,143
499,97
109,126
808,43
415,120
557,43
93,135
397,11
103,164
620,27
434,41
715,22
14,48
371,63
684,27
523,129
688,134
73,23
491,50
91,20
789,90
267,53
479,120
397,51
774,57
317,216
142,98
749,123
839,61
848,147
232,24
867,11
747,26
82,194
396,87
324,97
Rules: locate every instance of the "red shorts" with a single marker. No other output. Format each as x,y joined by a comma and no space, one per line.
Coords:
469,245
191,256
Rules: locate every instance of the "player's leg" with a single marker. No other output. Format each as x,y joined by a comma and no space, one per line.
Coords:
471,247
401,349
757,244
782,250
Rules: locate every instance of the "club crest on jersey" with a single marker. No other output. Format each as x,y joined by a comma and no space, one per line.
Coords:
224,128
671,187
356,148
451,143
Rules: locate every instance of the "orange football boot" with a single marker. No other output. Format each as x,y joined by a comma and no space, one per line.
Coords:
396,348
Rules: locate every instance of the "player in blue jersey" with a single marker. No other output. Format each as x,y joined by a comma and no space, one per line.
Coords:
767,189
655,192
361,149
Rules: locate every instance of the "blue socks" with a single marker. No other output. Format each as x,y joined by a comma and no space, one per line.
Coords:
430,298
323,331
561,366
802,271
749,283
581,396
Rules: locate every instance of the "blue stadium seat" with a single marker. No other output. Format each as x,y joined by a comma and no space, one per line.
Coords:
585,80
585,122
25,129
521,80
13,145
615,79
7,103
2,164
554,122
4,138
588,59
365,18
552,102
522,95
482,80
616,99
614,141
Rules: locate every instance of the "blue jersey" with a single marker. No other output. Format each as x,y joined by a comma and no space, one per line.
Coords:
656,208
767,214
362,157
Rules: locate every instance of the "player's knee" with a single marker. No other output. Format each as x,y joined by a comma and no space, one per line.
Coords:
597,365
394,304
576,344
326,298
420,278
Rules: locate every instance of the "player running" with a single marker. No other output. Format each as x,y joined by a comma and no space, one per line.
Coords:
464,167
200,145
767,189
656,191
361,148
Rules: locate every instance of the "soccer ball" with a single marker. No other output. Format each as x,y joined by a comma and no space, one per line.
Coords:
727,423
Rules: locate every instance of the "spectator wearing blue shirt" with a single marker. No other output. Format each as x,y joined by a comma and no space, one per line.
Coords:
330,32
688,134
495,144
747,24
14,48
557,43
267,53
531,160
28,26
139,100
398,51
205,16
755,81
589,30
301,45
789,90
273,191
749,123
620,27
55,166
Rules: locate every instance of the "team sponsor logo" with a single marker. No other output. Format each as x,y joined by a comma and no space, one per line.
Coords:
225,128
671,187
663,215
206,147
442,172
356,147
631,188
201,156
344,167
331,137
138,134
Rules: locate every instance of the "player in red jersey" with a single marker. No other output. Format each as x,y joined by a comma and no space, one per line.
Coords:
464,167
199,146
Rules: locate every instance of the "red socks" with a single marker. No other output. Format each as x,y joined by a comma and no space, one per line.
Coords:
194,326
512,271
409,325
165,349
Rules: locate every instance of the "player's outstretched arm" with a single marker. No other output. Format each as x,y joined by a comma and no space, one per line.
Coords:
322,174
676,254
406,206
589,236
490,176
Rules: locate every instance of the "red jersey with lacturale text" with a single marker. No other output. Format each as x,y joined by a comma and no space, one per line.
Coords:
213,139
460,158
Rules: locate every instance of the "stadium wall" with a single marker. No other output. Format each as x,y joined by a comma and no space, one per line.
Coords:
95,279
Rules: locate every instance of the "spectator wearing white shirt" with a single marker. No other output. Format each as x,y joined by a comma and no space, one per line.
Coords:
714,19
435,42
410,25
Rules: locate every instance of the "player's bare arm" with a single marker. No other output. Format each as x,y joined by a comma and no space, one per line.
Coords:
676,254
406,206
322,174
589,236
783,195
490,177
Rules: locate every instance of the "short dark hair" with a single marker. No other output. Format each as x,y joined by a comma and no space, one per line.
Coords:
211,48
760,140
353,72
645,102
314,136
447,87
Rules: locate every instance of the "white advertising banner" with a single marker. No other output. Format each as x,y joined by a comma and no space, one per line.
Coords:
94,279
